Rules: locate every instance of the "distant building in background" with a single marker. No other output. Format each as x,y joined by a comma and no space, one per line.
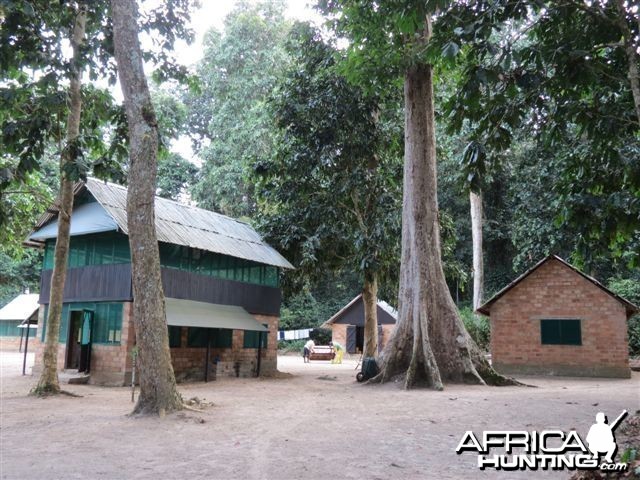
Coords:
347,326
556,320
220,280
22,310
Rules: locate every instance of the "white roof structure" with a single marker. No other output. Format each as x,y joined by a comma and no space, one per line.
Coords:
176,223
20,308
381,303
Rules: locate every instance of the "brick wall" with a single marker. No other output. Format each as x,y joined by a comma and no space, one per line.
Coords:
555,291
112,364
188,363
339,334
12,344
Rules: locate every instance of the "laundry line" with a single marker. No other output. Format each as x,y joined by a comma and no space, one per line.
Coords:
299,334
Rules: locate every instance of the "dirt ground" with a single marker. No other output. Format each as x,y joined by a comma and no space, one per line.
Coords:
316,423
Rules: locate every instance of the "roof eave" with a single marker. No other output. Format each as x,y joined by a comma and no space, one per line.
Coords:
485,309
332,320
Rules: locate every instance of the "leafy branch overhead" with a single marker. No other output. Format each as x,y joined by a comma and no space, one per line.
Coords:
330,193
34,66
563,74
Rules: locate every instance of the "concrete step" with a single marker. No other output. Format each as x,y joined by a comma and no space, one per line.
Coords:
73,377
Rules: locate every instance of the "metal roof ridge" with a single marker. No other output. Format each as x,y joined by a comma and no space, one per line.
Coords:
180,204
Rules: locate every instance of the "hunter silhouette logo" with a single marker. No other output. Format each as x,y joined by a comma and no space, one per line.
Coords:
600,437
547,449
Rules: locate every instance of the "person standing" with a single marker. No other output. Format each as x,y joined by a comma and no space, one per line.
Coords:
308,349
339,352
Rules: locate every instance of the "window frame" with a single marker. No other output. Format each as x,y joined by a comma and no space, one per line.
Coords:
558,336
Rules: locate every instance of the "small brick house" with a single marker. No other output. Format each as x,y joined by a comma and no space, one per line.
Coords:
220,281
556,320
347,325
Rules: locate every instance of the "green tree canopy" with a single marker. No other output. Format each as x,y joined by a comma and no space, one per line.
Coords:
565,75
229,117
330,194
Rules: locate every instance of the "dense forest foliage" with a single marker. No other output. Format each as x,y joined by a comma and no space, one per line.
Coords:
281,132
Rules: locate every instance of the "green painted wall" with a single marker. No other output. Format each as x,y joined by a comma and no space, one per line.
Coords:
111,248
9,328
107,321
107,248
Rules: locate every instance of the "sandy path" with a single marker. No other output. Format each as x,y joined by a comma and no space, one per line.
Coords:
297,427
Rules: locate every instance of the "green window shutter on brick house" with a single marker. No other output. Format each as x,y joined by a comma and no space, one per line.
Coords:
220,337
175,336
252,338
560,332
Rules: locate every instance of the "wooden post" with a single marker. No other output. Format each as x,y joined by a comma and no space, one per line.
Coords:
21,335
259,354
206,360
26,349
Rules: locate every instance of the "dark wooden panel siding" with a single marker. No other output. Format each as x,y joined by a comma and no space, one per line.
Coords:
93,283
113,283
258,299
355,316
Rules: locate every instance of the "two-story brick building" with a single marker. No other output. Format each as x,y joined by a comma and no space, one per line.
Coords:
220,280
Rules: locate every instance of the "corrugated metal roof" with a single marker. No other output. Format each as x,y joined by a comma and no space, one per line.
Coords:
20,308
187,313
186,225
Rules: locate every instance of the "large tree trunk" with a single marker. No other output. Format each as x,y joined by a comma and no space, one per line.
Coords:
475,201
430,344
370,301
48,382
158,392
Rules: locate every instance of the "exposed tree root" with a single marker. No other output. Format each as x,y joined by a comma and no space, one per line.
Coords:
191,409
493,378
47,390
44,392
145,407
421,369
70,394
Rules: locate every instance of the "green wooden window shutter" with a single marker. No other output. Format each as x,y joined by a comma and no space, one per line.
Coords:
251,338
197,337
560,332
221,338
175,336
